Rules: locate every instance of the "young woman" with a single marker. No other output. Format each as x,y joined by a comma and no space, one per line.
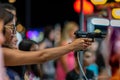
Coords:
32,72
13,56
87,60
66,62
4,19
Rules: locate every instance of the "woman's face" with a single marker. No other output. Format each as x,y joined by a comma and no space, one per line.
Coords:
34,47
10,34
72,31
52,35
13,42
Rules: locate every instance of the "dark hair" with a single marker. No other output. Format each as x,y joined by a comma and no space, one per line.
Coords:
8,6
9,18
47,31
3,14
26,44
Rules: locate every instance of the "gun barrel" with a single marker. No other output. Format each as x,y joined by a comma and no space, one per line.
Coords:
80,34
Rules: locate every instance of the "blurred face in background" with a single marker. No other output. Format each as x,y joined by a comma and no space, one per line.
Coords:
88,58
34,47
72,31
52,35
69,29
57,35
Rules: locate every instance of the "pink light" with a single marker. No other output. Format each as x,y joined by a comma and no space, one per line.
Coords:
32,34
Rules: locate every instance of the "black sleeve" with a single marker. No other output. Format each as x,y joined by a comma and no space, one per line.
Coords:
68,76
72,75
89,74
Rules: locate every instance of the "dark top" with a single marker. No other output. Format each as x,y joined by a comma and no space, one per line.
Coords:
72,75
12,74
19,70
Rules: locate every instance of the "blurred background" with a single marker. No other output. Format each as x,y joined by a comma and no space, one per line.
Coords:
35,15
52,23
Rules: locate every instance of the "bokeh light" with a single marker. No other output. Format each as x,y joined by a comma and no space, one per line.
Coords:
98,2
35,35
12,1
88,8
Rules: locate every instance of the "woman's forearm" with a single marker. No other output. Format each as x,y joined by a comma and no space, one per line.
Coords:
53,53
13,57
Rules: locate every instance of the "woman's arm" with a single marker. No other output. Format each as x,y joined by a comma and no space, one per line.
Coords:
14,57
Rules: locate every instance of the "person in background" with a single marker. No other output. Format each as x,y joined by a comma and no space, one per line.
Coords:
93,66
57,32
48,68
87,60
31,72
102,55
66,62
100,62
114,57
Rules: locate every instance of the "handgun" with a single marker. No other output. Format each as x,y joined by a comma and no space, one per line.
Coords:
81,34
